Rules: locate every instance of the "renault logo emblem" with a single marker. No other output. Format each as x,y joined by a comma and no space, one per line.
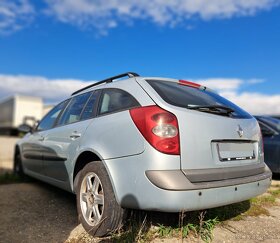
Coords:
240,131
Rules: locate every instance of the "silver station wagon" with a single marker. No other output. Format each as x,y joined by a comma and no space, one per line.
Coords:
145,143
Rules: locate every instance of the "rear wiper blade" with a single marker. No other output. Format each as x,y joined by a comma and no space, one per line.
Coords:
217,108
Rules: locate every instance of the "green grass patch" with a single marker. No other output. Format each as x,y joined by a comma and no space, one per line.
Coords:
8,178
253,207
179,226
259,204
136,229
267,200
275,192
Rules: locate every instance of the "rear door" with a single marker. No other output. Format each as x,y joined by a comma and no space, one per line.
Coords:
63,140
32,153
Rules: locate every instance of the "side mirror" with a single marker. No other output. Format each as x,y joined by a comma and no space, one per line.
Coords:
36,124
25,128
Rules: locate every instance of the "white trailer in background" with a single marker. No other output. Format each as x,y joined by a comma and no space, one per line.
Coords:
17,110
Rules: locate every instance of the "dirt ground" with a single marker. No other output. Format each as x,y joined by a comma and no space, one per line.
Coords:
36,212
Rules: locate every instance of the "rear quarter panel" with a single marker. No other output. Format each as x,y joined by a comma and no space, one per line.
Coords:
115,135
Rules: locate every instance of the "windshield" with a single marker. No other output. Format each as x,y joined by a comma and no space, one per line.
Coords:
185,96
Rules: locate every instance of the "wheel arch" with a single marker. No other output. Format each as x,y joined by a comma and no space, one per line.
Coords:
82,160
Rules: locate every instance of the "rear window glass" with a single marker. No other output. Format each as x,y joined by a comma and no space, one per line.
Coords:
182,96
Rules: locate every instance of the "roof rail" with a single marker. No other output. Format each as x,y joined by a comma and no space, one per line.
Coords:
108,80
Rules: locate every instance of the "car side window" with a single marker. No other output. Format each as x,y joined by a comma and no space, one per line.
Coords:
266,131
74,110
114,100
49,120
88,111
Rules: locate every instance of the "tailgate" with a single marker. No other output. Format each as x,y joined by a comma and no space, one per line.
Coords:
217,138
212,141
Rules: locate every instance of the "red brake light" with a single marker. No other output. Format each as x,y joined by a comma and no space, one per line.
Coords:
159,127
188,83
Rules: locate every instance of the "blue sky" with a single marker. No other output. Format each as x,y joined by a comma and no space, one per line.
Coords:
230,45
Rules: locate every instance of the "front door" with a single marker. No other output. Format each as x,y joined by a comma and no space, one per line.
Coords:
32,153
34,147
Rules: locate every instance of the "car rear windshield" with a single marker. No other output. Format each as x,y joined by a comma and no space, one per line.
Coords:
186,96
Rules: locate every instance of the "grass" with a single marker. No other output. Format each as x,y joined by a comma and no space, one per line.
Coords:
194,224
146,228
8,178
275,193
136,229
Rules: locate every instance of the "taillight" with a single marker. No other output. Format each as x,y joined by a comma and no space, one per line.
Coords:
159,127
190,84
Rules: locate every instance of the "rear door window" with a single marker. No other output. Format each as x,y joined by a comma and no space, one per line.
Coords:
184,96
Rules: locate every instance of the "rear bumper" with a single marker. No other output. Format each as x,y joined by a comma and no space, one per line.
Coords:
177,201
177,180
171,191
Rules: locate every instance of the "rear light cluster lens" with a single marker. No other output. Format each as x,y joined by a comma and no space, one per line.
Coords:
159,127
165,131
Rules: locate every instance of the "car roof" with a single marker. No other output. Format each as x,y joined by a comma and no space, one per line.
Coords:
116,80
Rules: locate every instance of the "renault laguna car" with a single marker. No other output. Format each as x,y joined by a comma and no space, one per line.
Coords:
145,143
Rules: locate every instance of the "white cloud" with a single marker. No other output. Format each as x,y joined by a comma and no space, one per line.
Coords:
256,81
255,103
51,90
14,15
221,83
55,90
104,15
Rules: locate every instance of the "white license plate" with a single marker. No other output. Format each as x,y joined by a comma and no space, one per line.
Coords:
236,151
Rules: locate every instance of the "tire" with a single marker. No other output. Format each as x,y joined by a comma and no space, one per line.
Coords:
98,210
18,170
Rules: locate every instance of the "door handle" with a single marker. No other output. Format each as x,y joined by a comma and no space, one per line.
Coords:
41,139
75,135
